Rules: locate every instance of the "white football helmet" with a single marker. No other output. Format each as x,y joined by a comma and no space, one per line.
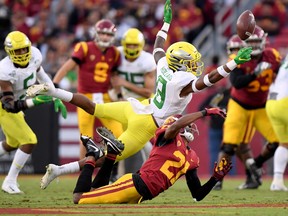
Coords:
257,41
234,44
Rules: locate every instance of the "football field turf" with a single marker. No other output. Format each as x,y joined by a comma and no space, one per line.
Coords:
57,200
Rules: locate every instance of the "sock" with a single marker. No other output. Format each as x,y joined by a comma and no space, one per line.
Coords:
18,162
260,160
68,168
103,176
280,162
248,174
2,150
84,180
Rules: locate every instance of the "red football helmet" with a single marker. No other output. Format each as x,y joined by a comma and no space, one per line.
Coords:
105,26
257,41
234,44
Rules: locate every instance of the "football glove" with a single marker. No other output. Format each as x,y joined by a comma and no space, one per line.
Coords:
167,12
221,169
215,111
43,89
261,67
58,105
243,55
42,99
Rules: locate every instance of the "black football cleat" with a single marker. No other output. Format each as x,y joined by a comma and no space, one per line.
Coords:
249,184
91,148
255,171
218,186
114,146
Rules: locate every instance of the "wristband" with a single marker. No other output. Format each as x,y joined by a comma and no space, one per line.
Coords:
157,50
204,112
162,34
165,27
29,102
207,81
222,71
231,65
194,86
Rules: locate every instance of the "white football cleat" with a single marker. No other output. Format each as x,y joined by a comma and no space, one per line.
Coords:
11,187
278,187
50,175
33,90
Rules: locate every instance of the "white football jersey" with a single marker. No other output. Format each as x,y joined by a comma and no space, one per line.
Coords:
166,101
21,78
134,71
279,86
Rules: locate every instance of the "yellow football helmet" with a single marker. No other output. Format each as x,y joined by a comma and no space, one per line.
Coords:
133,37
14,41
183,56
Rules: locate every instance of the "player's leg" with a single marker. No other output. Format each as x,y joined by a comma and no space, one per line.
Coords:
263,125
234,129
114,148
93,153
117,130
86,127
121,191
276,111
24,141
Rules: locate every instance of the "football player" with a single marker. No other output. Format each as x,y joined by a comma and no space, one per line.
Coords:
171,157
136,78
246,108
276,108
20,69
96,61
178,77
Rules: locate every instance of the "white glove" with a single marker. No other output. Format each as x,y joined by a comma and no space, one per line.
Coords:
261,67
40,89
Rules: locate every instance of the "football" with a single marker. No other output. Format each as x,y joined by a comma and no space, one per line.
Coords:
245,24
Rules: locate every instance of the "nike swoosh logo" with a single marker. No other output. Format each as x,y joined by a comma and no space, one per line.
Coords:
242,59
40,100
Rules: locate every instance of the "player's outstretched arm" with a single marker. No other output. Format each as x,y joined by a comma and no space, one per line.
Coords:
243,56
199,192
76,99
161,36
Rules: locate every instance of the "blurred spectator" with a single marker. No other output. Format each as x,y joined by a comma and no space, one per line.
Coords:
5,27
270,15
186,12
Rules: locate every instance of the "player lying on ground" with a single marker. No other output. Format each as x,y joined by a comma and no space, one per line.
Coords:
171,157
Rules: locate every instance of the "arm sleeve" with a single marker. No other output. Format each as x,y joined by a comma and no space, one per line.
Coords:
198,192
43,77
239,79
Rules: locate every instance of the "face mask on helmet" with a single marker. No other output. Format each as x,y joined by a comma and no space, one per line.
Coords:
183,56
257,41
105,32
234,44
18,47
133,43
189,131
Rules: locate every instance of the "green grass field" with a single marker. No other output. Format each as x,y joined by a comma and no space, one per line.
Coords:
57,200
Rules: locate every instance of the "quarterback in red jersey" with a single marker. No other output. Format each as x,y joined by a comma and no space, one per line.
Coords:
96,61
246,108
170,158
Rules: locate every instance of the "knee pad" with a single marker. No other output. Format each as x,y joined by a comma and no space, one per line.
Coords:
229,149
